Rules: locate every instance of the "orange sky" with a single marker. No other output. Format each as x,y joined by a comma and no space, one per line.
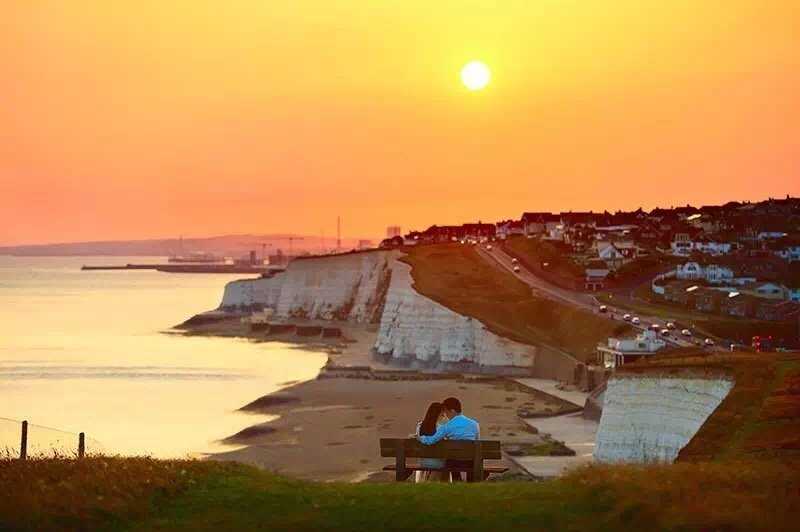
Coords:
158,118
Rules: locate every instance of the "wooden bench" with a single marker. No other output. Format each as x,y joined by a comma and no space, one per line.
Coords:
473,451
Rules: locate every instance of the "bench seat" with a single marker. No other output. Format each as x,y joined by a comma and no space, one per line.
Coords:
471,453
413,467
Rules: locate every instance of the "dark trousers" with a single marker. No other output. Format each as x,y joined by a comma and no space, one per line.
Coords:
456,475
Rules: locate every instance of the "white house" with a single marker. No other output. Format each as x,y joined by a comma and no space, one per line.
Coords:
610,254
712,273
794,293
619,351
770,235
510,227
596,274
681,244
789,252
768,290
713,248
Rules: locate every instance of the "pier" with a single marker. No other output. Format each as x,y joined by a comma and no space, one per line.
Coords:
190,268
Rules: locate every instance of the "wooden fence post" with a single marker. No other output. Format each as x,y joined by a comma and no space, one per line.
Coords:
81,445
23,443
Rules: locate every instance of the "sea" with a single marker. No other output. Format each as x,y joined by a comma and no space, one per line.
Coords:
93,352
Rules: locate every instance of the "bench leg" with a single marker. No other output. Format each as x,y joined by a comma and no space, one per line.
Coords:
477,465
400,473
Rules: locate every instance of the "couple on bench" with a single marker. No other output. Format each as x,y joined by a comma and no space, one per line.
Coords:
444,421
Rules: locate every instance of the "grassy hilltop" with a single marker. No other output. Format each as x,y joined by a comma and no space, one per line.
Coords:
143,494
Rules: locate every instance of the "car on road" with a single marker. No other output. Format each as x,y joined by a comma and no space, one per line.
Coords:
664,332
686,332
635,320
516,269
655,326
670,325
489,247
514,260
708,342
603,308
626,317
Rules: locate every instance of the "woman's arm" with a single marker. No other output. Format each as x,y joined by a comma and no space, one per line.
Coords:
441,432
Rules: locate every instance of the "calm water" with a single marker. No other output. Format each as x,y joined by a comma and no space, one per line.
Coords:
86,351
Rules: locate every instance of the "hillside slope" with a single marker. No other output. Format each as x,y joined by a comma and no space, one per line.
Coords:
142,494
458,278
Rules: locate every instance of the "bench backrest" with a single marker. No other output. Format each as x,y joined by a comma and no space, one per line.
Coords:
447,449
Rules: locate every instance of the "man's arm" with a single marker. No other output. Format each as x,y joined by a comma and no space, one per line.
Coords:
440,433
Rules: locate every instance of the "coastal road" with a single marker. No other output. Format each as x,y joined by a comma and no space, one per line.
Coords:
539,286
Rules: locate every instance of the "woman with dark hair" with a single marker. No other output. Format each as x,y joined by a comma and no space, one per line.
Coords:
427,427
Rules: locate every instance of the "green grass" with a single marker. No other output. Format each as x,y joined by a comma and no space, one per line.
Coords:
458,278
741,471
730,496
538,251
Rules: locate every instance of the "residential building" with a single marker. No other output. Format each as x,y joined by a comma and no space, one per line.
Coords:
596,273
587,219
786,248
618,352
508,228
452,233
537,223
770,235
767,290
681,244
711,247
393,231
712,273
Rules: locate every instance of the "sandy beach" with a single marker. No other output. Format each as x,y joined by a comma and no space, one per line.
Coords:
328,428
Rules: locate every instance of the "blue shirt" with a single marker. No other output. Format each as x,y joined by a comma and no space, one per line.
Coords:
459,428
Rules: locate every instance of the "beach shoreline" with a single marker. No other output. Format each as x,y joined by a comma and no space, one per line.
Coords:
328,428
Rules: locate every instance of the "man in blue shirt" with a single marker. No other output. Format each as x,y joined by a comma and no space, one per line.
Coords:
459,427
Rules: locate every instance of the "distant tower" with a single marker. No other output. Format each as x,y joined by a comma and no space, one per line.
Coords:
338,233
393,231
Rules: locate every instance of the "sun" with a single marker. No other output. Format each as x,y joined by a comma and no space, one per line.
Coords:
475,75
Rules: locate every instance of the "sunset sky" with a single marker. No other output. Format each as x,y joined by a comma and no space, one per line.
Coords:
163,118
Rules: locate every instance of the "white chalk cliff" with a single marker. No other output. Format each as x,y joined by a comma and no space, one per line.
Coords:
374,287
418,328
345,287
650,419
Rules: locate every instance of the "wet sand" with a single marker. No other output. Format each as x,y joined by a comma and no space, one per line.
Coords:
328,429
352,348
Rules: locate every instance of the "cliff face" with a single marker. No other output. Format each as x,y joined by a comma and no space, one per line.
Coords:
651,418
375,287
344,287
414,327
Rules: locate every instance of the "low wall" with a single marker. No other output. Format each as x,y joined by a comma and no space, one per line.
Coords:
555,365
